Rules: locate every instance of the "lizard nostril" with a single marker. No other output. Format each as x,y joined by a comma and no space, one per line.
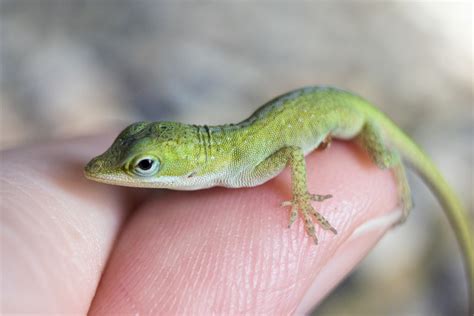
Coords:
93,166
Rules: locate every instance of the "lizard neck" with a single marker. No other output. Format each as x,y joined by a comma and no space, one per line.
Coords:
216,146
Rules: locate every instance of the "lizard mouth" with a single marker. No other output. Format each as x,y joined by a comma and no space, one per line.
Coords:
101,178
114,180
121,180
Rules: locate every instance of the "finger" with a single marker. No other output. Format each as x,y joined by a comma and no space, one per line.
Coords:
57,228
228,251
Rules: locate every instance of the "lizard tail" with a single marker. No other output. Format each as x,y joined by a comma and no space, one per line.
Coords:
458,217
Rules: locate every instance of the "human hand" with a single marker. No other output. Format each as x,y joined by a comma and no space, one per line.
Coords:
73,245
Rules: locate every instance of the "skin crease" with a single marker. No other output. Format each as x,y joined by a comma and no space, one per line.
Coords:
67,241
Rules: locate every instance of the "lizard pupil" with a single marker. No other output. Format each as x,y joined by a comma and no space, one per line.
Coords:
145,164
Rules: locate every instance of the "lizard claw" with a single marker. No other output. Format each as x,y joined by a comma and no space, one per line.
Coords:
293,216
319,198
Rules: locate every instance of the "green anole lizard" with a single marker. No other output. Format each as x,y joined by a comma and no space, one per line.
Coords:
189,157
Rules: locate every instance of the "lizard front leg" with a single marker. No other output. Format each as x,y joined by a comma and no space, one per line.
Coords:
301,201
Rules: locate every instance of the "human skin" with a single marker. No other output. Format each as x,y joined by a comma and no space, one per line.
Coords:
70,245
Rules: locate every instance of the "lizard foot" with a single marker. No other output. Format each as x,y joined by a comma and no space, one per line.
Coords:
303,204
312,197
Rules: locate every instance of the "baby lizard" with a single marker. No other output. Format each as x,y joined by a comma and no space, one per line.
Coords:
190,157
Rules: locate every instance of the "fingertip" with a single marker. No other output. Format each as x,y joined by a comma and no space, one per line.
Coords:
227,250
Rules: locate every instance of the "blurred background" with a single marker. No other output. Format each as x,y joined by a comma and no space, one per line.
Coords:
81,67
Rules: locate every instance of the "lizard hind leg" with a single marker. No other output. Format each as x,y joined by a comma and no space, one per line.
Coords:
370,138
326,143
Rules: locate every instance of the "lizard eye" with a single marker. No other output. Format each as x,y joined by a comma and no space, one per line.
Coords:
146,166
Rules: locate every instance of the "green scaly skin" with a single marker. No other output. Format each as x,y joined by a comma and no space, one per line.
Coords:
281,132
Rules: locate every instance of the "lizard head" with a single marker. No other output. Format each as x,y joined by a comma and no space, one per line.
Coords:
148,154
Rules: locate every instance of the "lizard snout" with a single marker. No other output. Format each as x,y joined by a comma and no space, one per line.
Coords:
94,167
